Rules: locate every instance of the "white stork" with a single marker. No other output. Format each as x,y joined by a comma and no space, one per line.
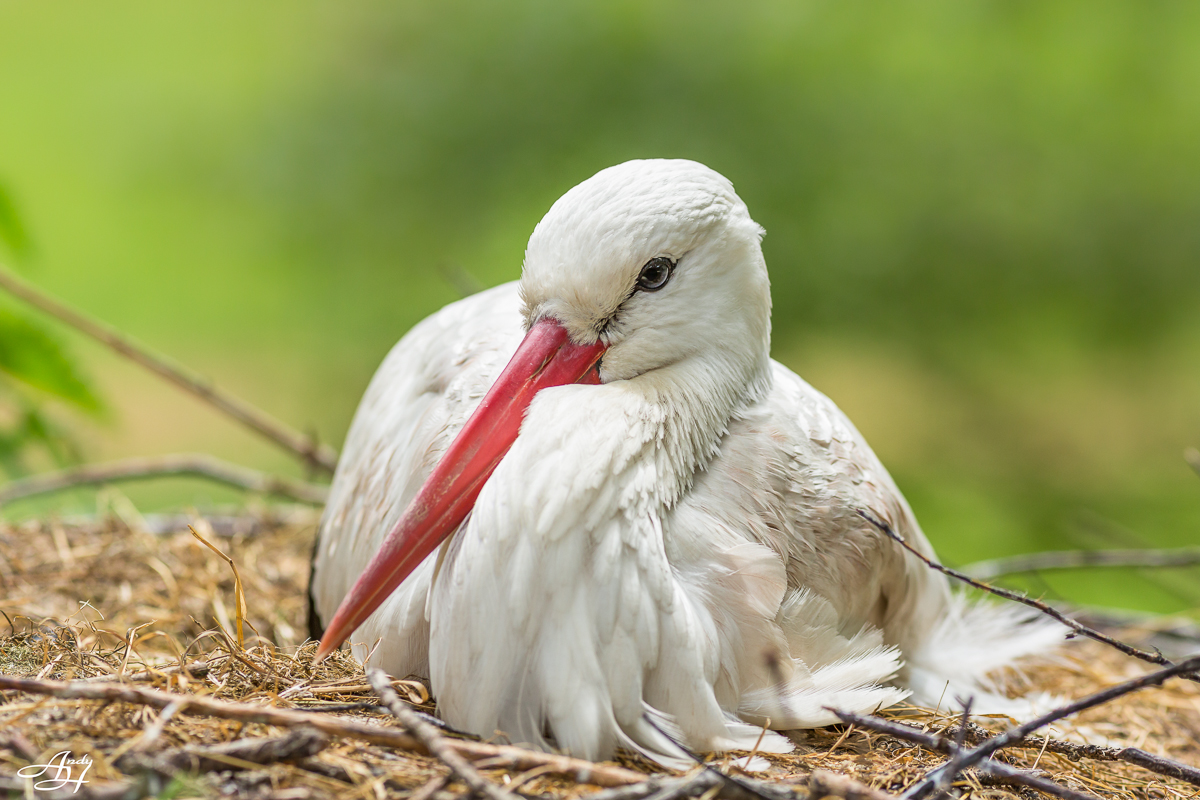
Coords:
593,512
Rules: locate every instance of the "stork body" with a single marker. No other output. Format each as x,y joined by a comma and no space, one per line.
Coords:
673,555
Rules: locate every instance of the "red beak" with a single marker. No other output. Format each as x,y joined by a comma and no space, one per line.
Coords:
547,357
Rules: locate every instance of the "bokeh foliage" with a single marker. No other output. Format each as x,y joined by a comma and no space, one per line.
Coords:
35,371
983,217
923,170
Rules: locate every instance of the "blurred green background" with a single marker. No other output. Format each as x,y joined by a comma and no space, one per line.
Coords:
983,221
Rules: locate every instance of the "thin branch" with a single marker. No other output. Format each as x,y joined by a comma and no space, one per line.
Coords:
1167,767
1079,559
1003,773
732,788
645,789
338,708
1101,697
968,758
518,758
190,464
1154,657
432,739
193,669
694,785
823,783
298,743
946,778
974,734
1163,766
317,456
432,787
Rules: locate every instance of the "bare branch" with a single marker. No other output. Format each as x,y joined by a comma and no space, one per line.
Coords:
1101,697
963,759
944,780
694,785
1132,755
823,783
317,456
190,464
648,787
1079,559
705,781
1001,772
1154,657
298,743
732,788
433,740
504,755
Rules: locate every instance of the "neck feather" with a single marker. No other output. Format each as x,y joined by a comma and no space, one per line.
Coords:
694,401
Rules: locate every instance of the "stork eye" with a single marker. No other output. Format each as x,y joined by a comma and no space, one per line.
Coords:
655,274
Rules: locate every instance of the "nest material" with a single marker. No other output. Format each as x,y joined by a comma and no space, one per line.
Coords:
98,600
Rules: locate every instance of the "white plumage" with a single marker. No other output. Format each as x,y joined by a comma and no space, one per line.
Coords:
677,549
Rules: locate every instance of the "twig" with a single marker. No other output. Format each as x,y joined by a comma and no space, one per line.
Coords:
1090,701
640,791
1078,559
298,743
1002,772
433,741
944,780
320,456
17,742
693,785
967,758
431,787
1163,766
338,708
192,464
733,788
1073,751
417,693
1091,633
515,757
705,782
198,669
823,783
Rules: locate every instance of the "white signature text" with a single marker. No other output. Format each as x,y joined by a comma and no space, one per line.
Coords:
59,773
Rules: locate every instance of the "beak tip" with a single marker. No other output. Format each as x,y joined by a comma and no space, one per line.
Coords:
324,649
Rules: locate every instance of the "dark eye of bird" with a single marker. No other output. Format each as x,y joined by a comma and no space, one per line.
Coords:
655,274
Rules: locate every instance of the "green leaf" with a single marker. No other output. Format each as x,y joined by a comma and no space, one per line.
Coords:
30,355
31,429
12,231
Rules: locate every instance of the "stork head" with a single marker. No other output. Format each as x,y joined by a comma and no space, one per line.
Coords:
657,260
644,266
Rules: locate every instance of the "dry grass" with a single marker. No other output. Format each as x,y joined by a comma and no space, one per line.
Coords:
100,600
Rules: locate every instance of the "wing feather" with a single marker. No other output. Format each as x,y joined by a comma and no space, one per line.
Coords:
420,397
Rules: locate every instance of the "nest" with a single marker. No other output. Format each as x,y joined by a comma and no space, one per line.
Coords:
131,613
